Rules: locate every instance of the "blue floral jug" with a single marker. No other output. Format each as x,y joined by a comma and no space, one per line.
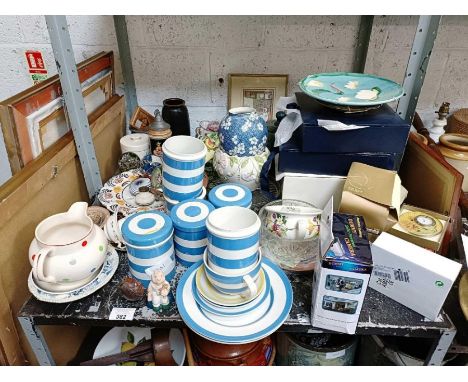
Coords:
243,132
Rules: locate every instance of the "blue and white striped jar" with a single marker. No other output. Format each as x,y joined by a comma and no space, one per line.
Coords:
148,238
233,240
171,203
230,194
189,220
183,167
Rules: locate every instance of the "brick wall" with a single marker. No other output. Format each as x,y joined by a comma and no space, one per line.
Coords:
184,56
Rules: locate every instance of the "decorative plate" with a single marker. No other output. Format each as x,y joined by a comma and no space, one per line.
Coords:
275,316
351,89
210,293
117,337
116,193
104,276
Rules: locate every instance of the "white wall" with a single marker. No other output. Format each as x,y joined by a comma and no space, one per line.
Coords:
184,56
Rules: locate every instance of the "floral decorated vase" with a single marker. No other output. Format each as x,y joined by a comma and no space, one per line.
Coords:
236,169
243,133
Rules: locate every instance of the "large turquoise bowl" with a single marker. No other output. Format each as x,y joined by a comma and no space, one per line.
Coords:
351,89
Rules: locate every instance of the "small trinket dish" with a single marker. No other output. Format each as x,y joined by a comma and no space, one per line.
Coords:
144,197
137,183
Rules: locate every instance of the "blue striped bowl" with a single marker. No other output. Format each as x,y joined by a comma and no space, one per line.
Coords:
241,284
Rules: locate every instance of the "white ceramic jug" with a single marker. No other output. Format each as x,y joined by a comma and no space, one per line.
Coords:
68,250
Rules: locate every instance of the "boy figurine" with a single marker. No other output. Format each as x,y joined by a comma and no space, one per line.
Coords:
165,297
157,284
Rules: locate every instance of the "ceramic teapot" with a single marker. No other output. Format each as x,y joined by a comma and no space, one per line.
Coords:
68,250
294,222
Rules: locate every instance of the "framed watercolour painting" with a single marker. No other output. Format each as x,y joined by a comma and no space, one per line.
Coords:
260,91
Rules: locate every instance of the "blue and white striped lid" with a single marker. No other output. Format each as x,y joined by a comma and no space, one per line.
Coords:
147,228
230,194
190,215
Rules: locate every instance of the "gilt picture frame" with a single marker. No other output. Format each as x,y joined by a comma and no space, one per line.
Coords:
260,91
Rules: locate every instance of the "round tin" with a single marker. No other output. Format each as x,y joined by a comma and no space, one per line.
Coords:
230,194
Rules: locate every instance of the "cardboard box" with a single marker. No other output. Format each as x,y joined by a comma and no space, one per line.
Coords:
342,276
411,275
314,189
374,193
432,243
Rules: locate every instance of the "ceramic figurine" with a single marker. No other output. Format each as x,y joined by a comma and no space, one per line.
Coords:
158,150
165,290
243,132
155,288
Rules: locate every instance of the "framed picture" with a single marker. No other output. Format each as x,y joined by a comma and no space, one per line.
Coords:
141,119
260,91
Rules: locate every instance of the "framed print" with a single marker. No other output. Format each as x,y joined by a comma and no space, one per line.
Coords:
260,91
141,119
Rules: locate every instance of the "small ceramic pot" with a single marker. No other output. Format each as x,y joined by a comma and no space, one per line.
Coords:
183,167
189,220
138,143
68,249
244,170
243,132
454,147
242,283
292,222
230,194
233,240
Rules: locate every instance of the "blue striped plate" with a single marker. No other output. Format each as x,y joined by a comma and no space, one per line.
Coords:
271,321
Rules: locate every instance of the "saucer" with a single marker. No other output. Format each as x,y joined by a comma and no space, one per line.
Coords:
206,289
116,194
244,319
107,271
220,310
275,316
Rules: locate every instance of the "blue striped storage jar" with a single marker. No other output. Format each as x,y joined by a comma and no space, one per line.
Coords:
183,167
230,194
189,220
148,238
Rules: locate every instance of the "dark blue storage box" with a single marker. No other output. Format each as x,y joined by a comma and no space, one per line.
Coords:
387,132
291,158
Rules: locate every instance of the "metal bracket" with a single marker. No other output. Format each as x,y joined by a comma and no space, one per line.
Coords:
36,341
126,63
72,93
440,348
423,43
364,35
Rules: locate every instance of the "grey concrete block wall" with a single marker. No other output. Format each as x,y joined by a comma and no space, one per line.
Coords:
185,56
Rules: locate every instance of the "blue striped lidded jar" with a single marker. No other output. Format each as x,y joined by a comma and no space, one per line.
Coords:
148,238
183,167
230,194
189,220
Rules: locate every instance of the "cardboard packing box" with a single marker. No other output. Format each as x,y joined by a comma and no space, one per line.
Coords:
411,275
341,277
374,193
432,243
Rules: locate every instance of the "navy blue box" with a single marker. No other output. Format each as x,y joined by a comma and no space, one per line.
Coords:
387,132
291,158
